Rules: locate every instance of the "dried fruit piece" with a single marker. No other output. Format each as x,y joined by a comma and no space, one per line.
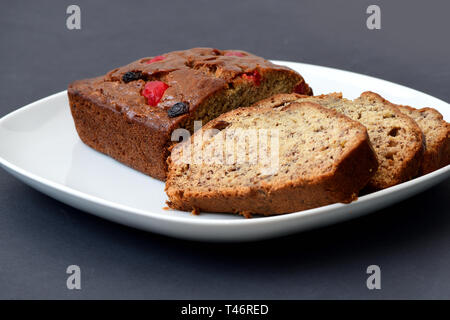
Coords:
234,53
178,109
254,76
155,59
132,76
153,91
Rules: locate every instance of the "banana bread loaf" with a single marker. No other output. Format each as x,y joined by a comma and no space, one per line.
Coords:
131,112
317,157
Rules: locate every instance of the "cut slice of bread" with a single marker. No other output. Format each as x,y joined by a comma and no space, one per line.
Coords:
276,159
396,138
437,137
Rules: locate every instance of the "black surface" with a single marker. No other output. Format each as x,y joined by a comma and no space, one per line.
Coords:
40,237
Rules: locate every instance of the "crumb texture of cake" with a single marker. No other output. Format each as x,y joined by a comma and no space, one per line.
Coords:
395,137
131,112
437,137
280,158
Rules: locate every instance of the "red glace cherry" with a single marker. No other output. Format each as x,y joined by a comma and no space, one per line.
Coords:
153,91
155,59
254,76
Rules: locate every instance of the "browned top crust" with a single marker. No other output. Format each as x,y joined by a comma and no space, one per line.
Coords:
192,75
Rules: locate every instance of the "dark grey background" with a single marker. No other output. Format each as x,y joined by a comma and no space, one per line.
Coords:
40,237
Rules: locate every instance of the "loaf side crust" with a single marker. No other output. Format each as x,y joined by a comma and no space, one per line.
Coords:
128,141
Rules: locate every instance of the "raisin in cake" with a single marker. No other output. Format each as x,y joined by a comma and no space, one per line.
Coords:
131,112
319,157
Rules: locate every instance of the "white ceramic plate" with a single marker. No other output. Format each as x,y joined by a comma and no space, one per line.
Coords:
39,145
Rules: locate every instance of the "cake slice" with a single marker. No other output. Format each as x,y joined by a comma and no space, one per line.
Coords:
131,112
280,158
437,137
396,138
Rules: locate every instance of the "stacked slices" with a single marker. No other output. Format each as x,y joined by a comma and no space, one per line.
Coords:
329,149
271,160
